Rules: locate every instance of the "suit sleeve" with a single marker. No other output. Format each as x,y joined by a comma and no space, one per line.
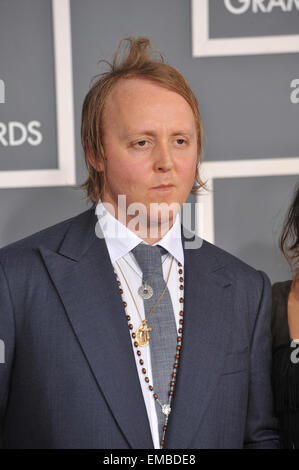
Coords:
7,339
261,425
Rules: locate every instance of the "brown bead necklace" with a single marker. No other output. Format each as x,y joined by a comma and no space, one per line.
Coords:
166,408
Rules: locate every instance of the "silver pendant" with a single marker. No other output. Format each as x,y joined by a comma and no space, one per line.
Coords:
145,291
166,410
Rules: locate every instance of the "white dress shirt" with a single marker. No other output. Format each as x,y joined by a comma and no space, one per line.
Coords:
120,241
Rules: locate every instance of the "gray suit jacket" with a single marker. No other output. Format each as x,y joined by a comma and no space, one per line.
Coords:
69,379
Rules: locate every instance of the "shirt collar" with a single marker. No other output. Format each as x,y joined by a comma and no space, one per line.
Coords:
120,240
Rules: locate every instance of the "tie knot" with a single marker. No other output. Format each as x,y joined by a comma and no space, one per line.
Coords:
149,259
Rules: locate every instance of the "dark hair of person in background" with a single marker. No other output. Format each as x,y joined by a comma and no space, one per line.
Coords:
285,333
289,240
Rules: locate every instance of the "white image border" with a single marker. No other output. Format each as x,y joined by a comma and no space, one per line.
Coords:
204,46
65,174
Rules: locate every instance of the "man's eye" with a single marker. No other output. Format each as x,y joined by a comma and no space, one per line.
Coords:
180,141
141,143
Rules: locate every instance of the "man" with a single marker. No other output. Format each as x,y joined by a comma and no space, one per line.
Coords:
132,335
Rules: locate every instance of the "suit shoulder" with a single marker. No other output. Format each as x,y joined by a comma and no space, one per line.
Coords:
249,283
234,265
52,236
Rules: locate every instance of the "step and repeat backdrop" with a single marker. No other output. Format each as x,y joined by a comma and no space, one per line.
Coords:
241,58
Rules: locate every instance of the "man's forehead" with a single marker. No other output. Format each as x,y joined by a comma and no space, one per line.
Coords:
127,88
133,83
138,105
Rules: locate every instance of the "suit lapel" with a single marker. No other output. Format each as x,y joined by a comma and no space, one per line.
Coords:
207,296
84,278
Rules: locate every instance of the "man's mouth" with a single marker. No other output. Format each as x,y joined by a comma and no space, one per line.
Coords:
164,187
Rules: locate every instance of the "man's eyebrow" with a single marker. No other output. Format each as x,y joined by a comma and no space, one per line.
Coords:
153,133
139,132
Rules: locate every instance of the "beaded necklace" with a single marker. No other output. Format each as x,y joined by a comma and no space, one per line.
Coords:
165,408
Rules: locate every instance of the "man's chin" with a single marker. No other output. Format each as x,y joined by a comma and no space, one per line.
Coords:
163,215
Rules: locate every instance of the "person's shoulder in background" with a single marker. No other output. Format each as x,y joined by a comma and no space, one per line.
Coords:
279,324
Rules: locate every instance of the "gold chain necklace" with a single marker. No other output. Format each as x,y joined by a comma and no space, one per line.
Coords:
142,333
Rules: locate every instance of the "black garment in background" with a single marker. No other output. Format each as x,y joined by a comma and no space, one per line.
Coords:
285,372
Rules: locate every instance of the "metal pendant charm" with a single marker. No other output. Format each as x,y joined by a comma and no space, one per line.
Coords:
166,410
142,336
145,291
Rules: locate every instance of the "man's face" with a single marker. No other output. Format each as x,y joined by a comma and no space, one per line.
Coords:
149,140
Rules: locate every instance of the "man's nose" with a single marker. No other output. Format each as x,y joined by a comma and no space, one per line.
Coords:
163,158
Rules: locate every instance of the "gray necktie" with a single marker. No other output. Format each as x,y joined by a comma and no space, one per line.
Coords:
163,337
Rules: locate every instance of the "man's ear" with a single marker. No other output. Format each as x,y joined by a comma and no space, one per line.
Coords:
97,165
